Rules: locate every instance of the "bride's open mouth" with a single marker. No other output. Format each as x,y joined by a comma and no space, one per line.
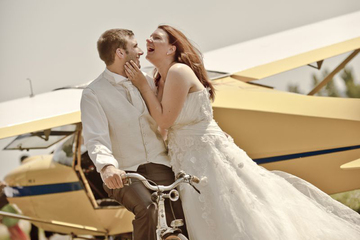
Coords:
150,49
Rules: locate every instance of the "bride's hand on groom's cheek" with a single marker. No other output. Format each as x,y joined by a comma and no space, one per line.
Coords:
134,74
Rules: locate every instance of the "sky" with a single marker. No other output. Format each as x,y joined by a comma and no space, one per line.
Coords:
53,42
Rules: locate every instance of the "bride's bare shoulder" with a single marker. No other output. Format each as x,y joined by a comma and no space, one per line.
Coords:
181,70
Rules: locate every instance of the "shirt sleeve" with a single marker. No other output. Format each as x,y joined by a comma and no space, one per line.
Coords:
96,131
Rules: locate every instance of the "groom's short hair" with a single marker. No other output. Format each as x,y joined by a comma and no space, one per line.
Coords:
111,40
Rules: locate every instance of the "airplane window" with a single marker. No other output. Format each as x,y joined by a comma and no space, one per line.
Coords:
215,74
64,152
41,139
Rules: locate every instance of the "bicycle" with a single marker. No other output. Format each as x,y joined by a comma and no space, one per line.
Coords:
163,231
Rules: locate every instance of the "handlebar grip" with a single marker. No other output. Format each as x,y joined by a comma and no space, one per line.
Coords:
195,179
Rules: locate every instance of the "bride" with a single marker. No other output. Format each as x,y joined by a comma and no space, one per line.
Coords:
238,199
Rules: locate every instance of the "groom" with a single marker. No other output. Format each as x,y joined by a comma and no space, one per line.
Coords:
121,136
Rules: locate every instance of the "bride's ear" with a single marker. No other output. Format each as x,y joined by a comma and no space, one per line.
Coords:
171,50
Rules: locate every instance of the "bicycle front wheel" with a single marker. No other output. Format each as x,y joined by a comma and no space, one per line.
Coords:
182,237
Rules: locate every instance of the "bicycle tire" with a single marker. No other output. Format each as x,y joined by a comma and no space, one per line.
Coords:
182,237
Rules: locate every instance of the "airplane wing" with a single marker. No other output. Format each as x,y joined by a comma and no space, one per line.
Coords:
231,92
276,53
254,59
43,111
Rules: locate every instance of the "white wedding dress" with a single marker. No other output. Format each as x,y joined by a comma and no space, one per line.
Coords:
241,200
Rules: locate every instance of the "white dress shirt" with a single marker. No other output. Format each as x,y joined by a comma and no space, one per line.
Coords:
117,126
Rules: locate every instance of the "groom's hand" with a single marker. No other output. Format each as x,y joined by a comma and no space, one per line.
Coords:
112,177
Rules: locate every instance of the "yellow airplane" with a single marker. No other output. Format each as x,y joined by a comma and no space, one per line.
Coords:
315,138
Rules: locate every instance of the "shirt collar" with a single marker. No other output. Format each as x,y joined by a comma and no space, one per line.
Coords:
118,78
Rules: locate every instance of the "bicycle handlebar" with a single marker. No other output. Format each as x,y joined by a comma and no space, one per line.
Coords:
182,177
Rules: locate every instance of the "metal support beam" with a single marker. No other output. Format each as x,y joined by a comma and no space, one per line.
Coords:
78,168
332,74
56,223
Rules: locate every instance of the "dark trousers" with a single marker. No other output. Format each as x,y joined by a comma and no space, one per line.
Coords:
137,199
3,199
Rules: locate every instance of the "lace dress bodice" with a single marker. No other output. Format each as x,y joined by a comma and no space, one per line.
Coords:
193,127
197,108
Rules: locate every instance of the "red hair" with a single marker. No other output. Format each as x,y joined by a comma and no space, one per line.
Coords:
188,54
